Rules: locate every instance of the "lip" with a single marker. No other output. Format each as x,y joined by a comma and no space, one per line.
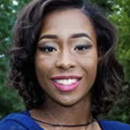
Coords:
66,88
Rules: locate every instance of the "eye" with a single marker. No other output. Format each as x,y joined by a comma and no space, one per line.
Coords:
47,49
82,47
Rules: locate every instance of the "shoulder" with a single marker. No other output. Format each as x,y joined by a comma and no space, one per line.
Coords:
13,122
113,125
18,121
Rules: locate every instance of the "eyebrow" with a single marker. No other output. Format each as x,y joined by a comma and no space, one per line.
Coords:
77,35
49,36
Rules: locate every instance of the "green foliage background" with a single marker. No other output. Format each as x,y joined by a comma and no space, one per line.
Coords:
118,13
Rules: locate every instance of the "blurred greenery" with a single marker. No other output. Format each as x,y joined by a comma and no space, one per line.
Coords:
119,14
9,99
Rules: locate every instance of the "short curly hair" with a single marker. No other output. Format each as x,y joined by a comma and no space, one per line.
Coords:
27,29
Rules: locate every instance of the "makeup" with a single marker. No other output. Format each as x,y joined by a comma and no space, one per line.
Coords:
66,83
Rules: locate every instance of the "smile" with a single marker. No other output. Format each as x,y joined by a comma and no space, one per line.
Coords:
66,83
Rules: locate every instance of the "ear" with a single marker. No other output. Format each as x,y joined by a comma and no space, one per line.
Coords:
100,54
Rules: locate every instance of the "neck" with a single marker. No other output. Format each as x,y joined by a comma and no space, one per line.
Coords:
80,113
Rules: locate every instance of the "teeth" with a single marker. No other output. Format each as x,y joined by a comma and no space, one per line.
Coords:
66,81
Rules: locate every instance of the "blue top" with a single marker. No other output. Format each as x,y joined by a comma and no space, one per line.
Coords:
23,121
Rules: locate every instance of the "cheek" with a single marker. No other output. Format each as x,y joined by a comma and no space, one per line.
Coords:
43,66
42,62
89,63
89,67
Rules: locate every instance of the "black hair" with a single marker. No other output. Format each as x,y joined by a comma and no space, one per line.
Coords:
26,33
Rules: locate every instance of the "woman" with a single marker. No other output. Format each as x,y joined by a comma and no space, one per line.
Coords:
63,65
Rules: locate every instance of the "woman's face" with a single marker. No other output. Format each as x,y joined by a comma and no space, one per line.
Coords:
66,57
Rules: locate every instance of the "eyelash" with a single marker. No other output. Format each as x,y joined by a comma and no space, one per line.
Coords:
78,48
83,47
47,49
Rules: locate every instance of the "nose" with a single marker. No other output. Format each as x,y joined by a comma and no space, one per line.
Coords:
65,61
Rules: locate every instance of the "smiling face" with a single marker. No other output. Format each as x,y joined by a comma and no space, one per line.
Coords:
66,57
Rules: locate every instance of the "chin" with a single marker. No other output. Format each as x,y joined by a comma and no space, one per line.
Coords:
67,103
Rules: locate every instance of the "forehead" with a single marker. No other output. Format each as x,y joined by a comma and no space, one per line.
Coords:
66,18
67,22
